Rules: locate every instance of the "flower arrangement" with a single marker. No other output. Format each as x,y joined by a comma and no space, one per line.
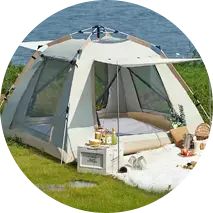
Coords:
177,120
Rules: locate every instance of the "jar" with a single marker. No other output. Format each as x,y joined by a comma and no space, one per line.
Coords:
97,135
108,139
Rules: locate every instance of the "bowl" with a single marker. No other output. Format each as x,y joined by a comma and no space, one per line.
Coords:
94,142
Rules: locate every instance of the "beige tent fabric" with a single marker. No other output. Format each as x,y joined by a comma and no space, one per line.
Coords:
59,40
129,54
178,96
65,50
80,81
35,45
136,143
139,41
81,98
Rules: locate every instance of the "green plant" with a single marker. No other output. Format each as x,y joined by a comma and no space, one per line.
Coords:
177,120
10,77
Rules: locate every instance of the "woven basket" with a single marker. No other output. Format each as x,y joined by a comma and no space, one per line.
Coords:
202,131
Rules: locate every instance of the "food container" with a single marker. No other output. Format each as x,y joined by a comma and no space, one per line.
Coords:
98,135
202,146
102,131
202,131
196,147
108,139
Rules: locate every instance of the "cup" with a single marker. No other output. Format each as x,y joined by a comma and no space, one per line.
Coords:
108,139
202,146
196,147
98,135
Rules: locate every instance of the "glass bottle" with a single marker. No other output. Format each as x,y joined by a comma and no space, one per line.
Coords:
114,137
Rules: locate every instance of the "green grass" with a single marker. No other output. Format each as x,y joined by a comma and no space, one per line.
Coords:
196,77
11,75
110,195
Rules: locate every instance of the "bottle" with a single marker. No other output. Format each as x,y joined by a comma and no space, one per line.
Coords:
108,139
114,137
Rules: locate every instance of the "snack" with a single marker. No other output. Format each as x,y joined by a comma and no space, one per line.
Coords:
186,153
94,142
202,146
189,153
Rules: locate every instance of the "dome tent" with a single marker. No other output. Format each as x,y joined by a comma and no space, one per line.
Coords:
69,85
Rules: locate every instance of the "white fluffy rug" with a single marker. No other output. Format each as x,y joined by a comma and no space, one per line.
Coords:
163,170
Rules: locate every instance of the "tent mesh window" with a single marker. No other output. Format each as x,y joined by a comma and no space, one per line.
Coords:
146,86
101,83
151,92
48,90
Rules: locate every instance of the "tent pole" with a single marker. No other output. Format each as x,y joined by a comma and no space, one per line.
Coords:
64,135
118,115
81,31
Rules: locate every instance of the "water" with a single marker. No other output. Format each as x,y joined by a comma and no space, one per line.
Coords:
126,17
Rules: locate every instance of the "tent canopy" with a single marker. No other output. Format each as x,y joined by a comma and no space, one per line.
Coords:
70,83
114,52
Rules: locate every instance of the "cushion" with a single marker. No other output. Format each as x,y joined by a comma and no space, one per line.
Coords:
178,135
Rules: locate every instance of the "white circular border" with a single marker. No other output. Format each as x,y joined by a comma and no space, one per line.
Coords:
18,18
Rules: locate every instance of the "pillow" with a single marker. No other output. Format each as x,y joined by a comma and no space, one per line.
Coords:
178,135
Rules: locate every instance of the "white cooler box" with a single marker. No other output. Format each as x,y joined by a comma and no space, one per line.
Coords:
102,160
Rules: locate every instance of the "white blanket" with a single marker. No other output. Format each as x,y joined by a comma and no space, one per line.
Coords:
163,170
129,126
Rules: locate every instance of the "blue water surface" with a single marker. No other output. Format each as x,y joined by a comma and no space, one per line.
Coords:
126,17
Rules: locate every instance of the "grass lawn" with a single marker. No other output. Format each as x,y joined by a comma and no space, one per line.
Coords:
11,75
110,195
196,77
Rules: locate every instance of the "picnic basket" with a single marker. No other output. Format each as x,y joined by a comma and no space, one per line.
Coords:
202,131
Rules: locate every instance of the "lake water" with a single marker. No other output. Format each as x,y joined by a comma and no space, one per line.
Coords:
126,17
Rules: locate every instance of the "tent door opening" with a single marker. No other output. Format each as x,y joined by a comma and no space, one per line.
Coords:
130,96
